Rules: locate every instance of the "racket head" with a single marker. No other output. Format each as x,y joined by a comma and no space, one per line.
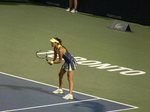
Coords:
41,54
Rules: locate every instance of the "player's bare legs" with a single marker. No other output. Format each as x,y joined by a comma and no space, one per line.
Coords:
61,79
70,3
74,8
70,75
70,80
75,4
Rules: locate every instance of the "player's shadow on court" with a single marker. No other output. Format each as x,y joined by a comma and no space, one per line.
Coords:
14,87
88,106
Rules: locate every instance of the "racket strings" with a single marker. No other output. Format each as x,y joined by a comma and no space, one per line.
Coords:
41,55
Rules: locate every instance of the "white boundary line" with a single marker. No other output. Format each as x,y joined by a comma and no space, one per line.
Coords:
96,98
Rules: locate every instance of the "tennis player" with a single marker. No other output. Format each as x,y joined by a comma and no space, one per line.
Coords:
69,65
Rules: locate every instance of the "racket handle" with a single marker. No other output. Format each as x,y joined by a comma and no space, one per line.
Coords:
49,64
47,61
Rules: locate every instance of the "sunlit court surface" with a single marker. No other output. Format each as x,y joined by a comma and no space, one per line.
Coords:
113,66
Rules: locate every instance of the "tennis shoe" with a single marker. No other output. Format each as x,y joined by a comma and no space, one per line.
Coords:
74,11
68,9
58,91
68,96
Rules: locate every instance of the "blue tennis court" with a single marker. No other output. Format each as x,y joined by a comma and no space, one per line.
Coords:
24,95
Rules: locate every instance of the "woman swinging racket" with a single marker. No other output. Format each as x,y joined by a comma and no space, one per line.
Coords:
69,66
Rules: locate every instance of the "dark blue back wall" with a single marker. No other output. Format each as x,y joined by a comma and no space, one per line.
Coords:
137,11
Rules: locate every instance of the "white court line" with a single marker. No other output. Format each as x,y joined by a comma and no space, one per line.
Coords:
50,105
133,107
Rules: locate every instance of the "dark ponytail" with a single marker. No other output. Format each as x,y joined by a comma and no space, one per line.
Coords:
60,42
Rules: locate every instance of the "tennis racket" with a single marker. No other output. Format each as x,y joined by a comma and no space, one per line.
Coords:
42,55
